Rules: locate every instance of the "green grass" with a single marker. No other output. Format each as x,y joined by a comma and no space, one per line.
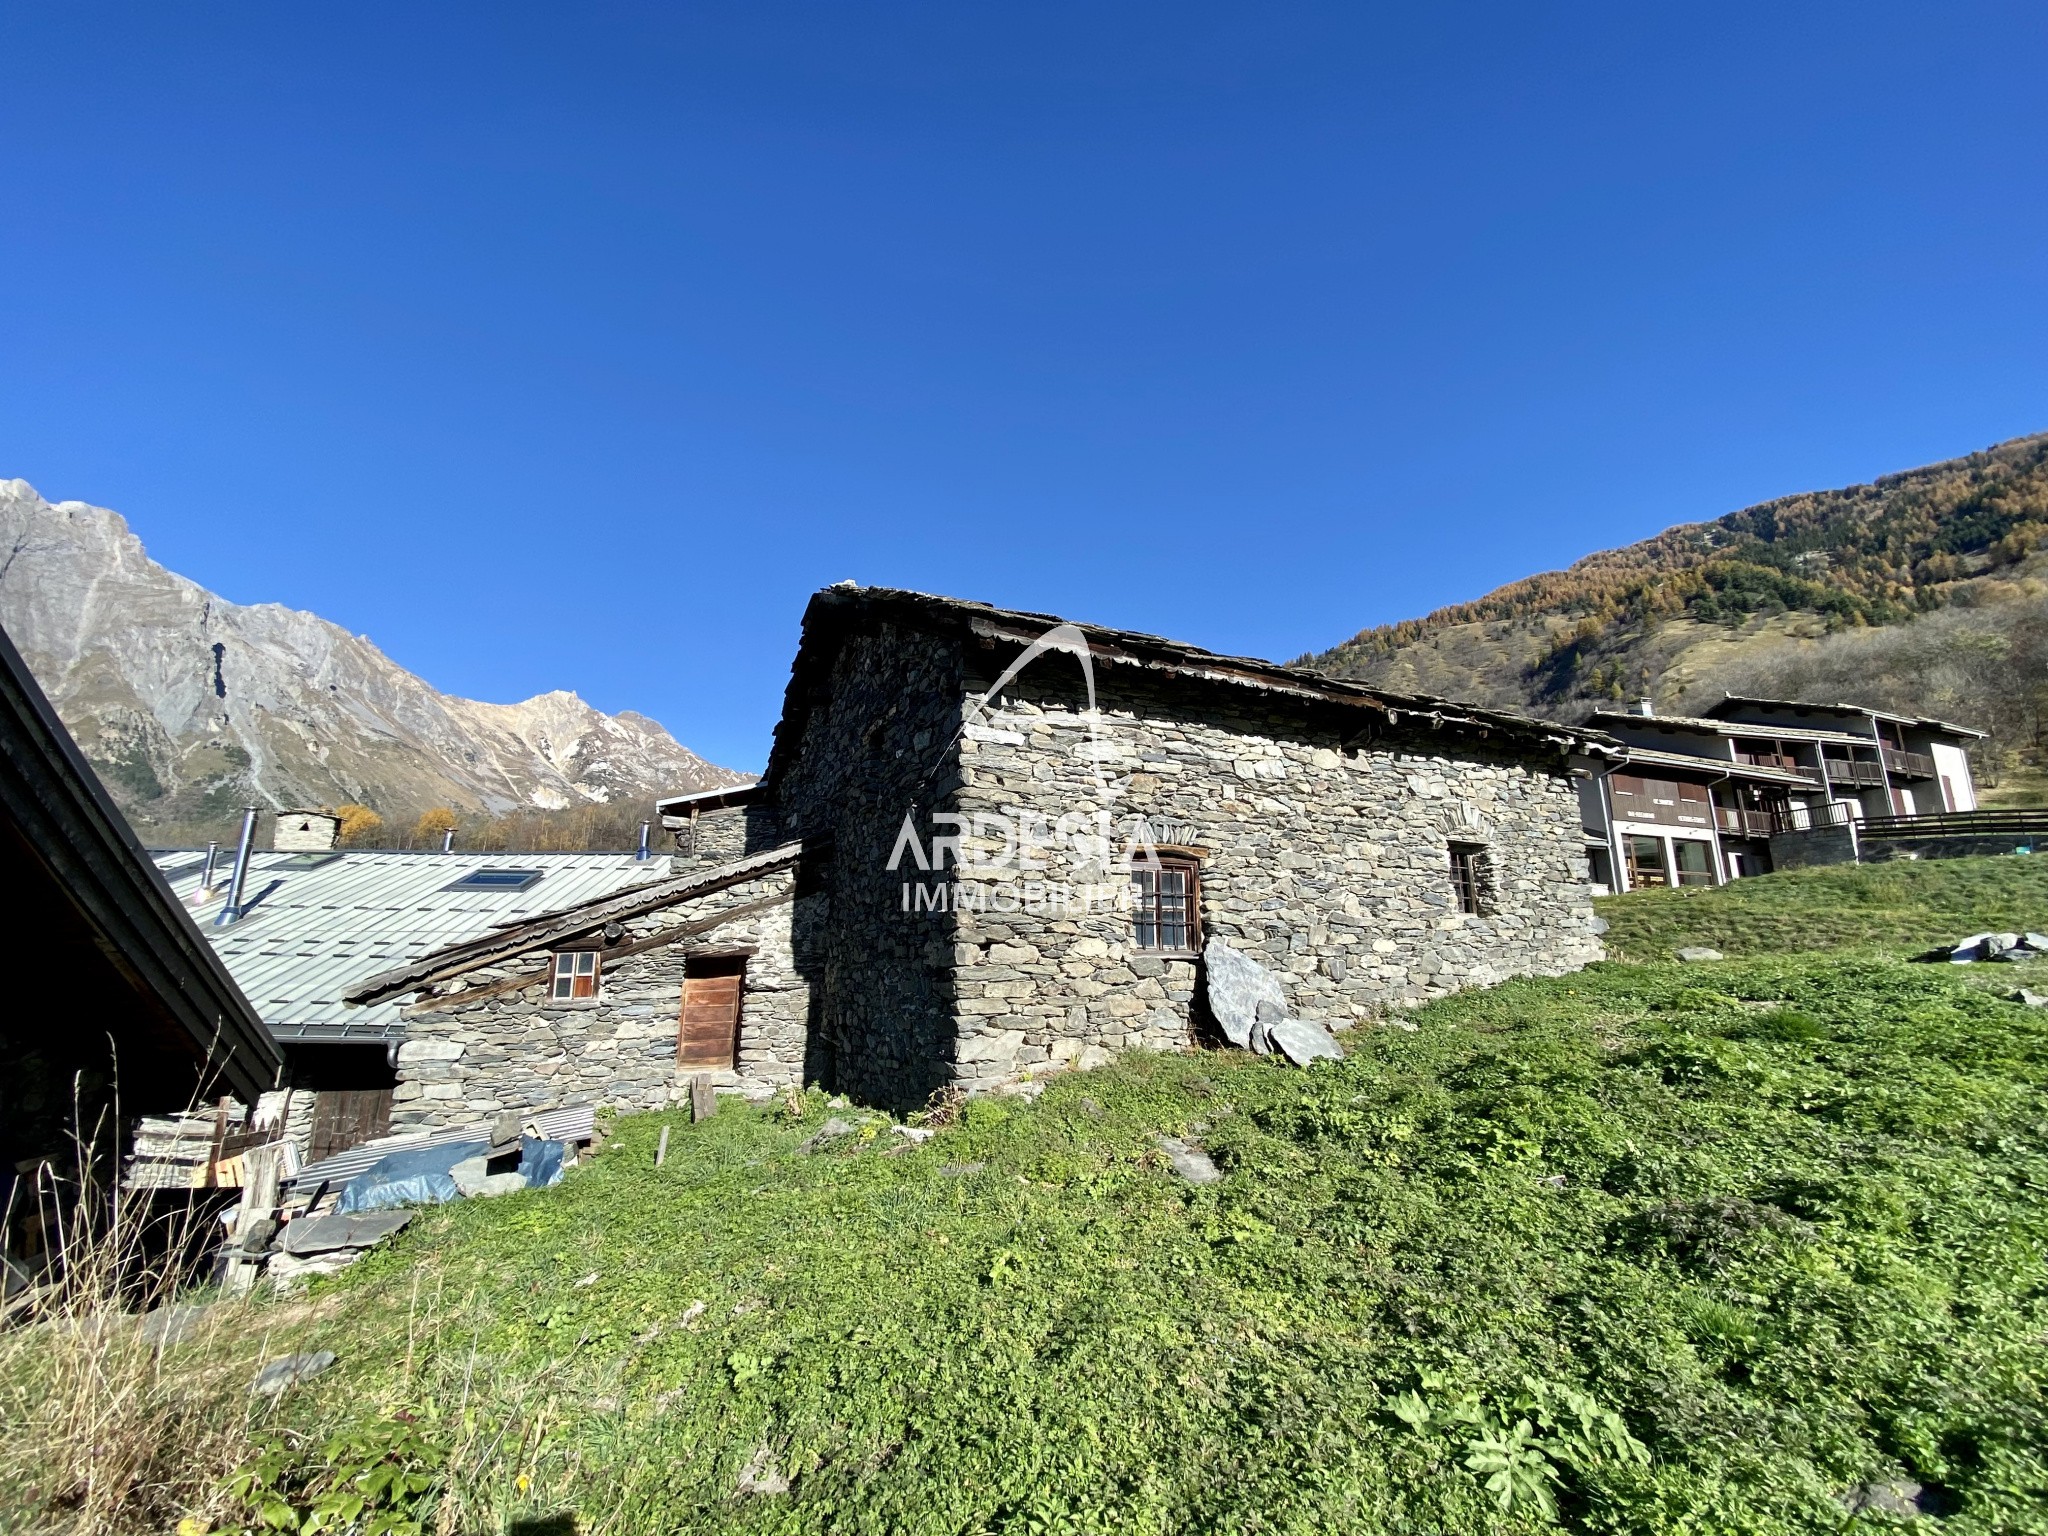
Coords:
1785,1216
1903,907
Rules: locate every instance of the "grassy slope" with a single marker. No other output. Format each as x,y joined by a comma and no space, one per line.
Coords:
1906,907
1785,1215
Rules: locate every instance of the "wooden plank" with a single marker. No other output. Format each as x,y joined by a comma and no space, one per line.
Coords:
707,1029
703,1098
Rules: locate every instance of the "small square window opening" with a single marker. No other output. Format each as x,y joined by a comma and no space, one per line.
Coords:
1164,903
1470,878
575,974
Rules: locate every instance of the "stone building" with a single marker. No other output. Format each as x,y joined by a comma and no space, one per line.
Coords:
989,845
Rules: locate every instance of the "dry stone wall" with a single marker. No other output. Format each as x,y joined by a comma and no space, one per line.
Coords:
515,1050
875,742
1329,864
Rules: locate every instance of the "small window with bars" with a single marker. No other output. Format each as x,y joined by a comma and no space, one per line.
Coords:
575,975
1472,878
1163,902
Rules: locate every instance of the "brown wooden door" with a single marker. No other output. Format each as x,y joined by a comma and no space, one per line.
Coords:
347,1119
709,1033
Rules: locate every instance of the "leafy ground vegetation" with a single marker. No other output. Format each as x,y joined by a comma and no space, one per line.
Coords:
1654,1247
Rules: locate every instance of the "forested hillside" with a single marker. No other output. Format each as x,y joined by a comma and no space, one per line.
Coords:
1926,590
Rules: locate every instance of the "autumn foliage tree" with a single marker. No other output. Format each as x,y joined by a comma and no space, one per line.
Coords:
432,826
359,824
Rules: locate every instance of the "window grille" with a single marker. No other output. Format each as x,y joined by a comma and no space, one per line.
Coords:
1471,878
1164,903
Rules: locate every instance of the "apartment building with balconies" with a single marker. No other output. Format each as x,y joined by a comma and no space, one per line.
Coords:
1754,784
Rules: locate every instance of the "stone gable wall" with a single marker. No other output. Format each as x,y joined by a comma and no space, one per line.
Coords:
1328,864
875,742
723,836
521,1050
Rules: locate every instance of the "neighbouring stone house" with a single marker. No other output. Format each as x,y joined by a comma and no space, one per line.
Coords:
990,844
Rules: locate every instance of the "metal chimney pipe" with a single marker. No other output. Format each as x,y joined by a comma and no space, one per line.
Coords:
644,828
447,839
206,880
231,910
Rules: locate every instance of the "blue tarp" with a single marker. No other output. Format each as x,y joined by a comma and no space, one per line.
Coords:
416,1177
540,1162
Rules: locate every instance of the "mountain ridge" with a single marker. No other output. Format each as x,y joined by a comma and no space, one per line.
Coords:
189,704
1925,589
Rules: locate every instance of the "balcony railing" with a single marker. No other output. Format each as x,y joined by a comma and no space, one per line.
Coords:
1776,760
1908,765
1813,818
2023,823
1838,813
1738,822
1843,771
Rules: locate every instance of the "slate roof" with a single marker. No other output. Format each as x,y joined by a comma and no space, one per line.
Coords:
313,929
1615,720
1918,722
848,608
1717,767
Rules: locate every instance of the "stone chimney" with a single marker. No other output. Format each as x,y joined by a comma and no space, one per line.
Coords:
305,832
1647,708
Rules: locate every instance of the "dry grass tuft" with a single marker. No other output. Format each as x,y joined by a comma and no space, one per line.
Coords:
125,1408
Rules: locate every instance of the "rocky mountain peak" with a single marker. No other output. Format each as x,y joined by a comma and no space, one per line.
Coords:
190,705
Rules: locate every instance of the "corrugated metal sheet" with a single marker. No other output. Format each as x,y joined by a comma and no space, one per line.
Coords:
308,934
578,1123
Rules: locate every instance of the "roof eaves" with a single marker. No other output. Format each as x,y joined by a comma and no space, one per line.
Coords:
837,609
570,922
70,824
1924,722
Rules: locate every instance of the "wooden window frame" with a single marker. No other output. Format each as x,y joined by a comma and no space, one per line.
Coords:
571,980
1472,878
1149,911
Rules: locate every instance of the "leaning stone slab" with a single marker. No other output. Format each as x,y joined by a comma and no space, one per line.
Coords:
1302,1042
325,1234
1237,985
278,1375
1189,1161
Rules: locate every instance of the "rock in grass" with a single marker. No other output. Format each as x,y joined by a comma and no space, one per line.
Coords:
2031,999
162,1327
1695,953
761,1476
1302,1042
1900,1498
273,1380
333,1232
831,1130
1189,1161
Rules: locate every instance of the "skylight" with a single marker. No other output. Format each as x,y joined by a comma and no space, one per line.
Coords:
306,861
494,880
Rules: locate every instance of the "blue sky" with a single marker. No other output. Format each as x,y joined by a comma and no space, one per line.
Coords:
574,346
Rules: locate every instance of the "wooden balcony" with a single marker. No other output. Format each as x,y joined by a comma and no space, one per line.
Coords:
1908,765
1737,822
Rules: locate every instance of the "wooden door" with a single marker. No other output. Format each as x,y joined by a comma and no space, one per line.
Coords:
347,1119
709,1032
